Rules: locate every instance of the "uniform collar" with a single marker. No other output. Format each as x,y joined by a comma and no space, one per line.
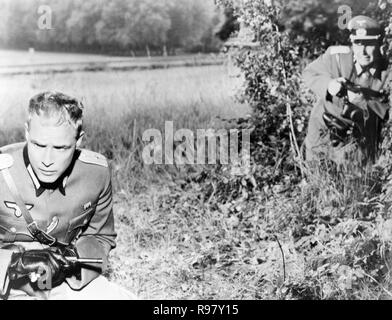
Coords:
376,69
40,186
361,70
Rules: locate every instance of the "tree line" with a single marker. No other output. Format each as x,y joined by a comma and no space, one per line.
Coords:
111,26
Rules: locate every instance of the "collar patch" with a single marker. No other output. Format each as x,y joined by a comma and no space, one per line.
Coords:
361,70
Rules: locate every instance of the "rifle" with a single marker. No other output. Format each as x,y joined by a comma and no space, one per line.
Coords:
75,260
352,124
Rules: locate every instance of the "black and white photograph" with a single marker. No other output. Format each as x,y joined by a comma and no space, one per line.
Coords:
213,151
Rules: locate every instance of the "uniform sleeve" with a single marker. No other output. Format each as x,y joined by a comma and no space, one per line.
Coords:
381,107
5,258
378,107
98,239
318,74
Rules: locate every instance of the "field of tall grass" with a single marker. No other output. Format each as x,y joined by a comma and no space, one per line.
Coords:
164,227
191,232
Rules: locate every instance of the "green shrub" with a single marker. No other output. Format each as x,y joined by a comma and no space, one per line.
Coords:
337,219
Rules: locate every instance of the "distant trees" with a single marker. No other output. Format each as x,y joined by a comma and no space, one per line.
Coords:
229,26
121,26
133,25
321,23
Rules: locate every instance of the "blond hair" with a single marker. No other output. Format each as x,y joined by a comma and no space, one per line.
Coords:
56,104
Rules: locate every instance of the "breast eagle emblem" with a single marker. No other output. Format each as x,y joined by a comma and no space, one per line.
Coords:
14,206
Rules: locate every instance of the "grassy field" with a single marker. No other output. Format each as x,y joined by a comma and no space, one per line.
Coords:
189,232
115,102
20,58
182,237
167,94
165,230
14,62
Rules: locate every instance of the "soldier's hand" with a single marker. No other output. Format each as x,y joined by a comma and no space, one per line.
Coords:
70,269
339,130
335,86
69,251
44,263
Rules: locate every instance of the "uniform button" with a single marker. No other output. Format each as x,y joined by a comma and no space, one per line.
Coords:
13,230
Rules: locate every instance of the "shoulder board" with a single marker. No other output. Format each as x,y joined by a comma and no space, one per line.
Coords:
11,148
340,49
6,161
91,157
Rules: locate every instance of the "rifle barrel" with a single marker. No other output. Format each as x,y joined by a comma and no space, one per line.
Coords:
84,260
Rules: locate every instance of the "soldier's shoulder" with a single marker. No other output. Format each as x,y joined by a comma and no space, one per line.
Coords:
93,158
6,161
339,50
12,148
8,153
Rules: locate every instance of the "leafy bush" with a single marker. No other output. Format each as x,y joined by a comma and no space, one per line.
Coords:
290,34
336,219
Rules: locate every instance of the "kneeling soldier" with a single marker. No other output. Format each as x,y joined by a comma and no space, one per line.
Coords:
352,84
56,217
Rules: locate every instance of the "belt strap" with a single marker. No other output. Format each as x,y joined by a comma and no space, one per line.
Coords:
32,226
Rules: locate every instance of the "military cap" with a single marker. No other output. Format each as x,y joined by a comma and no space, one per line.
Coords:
364,28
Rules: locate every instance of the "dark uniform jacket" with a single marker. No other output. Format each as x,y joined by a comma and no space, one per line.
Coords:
337,62
77,209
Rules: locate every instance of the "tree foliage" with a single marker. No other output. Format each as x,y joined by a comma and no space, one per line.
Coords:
112,25
291,33
336,222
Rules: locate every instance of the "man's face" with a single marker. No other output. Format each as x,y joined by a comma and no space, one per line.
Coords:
364,53
50,147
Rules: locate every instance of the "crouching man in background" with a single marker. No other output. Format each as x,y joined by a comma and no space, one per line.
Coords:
56,217
352,85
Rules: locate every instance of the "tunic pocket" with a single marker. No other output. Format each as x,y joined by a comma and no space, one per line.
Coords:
78,224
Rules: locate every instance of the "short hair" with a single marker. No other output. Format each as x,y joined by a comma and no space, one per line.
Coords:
57,104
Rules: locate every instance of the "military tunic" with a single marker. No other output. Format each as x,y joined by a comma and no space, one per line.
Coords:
338,61
76,209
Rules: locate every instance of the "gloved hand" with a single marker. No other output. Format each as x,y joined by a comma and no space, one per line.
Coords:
357,116
69,251
339,130
45,262
335,86
71,269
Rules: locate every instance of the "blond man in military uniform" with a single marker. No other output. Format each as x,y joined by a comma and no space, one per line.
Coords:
55,209
333,121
